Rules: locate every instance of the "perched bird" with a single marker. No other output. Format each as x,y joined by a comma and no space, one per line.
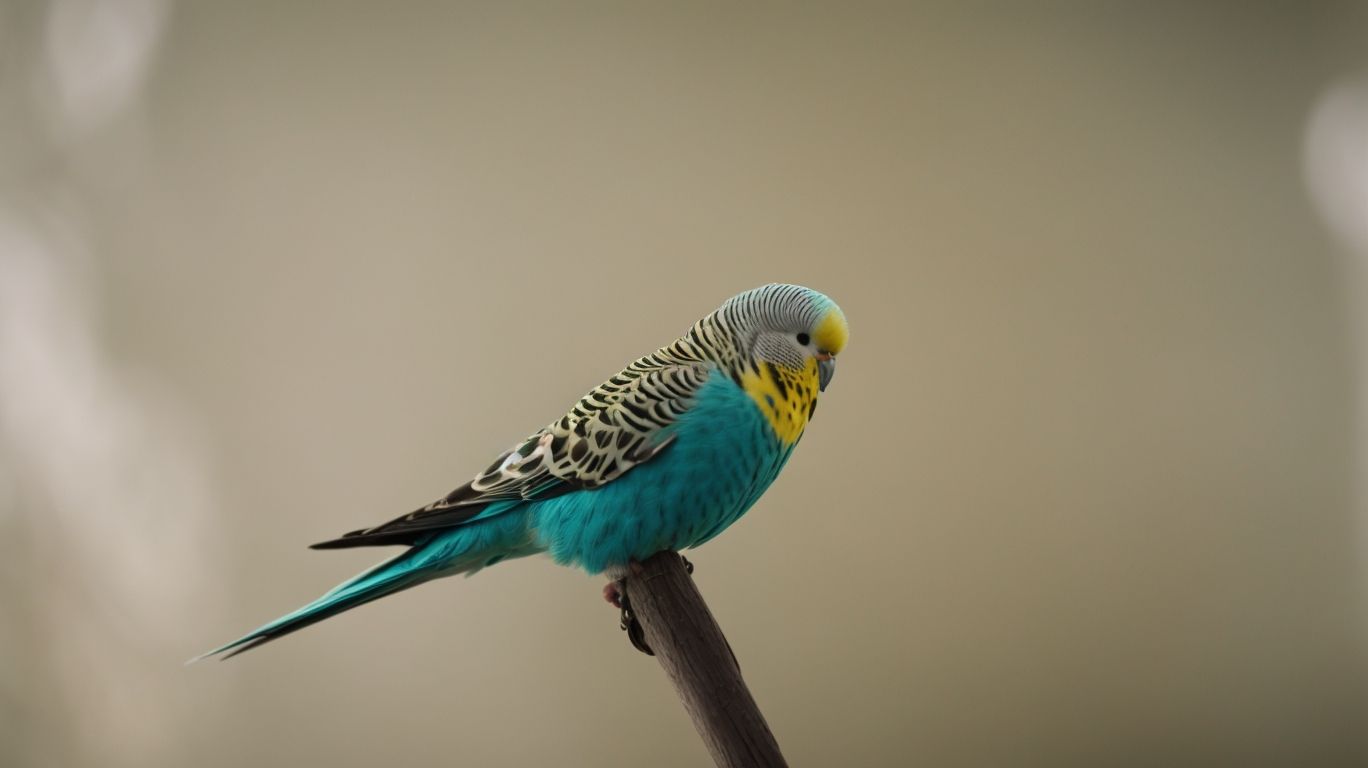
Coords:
663,456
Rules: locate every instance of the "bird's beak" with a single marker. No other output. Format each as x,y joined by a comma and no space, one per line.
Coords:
826,368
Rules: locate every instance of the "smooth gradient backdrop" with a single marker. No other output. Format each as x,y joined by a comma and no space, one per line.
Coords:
1085,490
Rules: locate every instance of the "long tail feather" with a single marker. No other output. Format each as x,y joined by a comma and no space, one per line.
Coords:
464,549
389,577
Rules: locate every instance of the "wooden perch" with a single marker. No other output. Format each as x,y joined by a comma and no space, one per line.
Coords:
685,638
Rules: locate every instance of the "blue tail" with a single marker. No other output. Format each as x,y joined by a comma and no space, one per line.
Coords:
465,549
406,570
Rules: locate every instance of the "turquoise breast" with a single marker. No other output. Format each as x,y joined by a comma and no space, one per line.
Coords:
724,456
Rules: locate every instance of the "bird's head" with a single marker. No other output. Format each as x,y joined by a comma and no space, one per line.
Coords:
792,328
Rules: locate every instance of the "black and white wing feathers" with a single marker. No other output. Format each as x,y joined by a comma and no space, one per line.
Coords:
623,422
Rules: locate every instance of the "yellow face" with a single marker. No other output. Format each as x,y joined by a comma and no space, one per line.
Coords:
788,396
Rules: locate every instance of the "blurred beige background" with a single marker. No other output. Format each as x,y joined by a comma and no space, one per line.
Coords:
1087,489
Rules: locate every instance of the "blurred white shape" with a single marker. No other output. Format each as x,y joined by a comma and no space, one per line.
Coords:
113,458
1337,162
104,477
1336,167
98,53
111,486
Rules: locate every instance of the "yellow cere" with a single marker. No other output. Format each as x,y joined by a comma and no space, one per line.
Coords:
832,333
786,396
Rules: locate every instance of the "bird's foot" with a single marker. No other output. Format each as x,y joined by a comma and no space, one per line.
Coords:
612,592
631,625
615,593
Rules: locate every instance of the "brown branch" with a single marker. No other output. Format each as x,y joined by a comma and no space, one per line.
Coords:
691,647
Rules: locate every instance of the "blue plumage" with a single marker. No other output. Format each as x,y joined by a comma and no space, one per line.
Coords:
704,426
723,457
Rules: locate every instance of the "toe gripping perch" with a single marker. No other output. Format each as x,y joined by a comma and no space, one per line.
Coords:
629,622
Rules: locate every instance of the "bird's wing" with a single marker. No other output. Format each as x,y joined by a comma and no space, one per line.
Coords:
623,422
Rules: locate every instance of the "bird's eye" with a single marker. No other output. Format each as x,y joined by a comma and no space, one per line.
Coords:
803,339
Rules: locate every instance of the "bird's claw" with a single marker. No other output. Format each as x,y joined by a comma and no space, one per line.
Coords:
630,624
615,592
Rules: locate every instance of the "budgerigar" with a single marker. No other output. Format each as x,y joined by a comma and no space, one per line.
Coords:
662,456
